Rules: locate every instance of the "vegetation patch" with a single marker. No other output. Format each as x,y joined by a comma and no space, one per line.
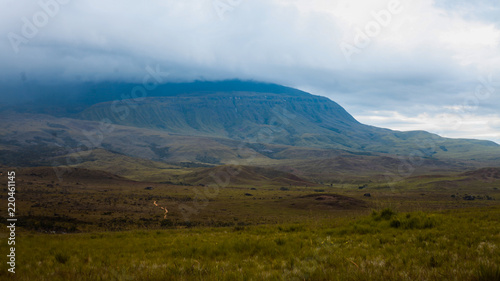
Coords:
464,242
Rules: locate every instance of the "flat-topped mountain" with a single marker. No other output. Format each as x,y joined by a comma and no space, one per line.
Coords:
214,123
276,115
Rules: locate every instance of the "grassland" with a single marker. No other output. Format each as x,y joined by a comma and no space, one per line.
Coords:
97,226
314,194
458,245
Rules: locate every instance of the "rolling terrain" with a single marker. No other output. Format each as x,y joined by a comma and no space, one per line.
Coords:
233,122
90,200
241,181
96,225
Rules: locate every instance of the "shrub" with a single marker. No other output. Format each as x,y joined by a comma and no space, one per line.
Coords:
418,221
385,214
395,223
61,258
292,228
238,228
167,223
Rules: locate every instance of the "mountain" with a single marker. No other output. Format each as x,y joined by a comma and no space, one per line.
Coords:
206,124
283,117
63,100
256,117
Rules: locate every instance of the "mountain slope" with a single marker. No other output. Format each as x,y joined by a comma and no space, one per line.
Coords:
243,176
294,119
241,115
228,123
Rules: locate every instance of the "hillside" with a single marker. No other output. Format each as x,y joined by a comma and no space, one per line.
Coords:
294,119
128,167
49,174
187,126
244,176
254,117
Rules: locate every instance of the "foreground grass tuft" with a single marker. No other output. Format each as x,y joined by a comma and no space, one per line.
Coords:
487,273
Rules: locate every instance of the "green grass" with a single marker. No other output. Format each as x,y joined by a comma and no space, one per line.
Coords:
449,245
94,201
107,228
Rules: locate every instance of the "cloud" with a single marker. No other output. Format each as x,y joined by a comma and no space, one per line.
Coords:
450,124
411,57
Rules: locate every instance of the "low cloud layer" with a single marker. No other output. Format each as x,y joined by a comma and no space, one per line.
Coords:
399,64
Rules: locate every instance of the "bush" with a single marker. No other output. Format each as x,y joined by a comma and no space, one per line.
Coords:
385,214
417,221
395,223
61,258
292,228
167,223
238,228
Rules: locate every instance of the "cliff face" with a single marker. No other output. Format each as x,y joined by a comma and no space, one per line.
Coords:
284,119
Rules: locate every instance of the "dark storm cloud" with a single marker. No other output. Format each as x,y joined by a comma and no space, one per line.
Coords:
411,57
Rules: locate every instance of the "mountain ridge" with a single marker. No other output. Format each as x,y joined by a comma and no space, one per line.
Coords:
303,120
289,130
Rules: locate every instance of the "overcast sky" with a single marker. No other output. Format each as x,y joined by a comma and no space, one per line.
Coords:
404,65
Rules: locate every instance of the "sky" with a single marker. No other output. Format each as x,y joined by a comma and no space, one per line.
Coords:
398,64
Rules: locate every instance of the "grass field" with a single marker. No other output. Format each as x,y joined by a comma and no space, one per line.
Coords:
96,226
449,245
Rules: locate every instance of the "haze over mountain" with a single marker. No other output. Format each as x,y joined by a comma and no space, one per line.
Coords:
420,68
